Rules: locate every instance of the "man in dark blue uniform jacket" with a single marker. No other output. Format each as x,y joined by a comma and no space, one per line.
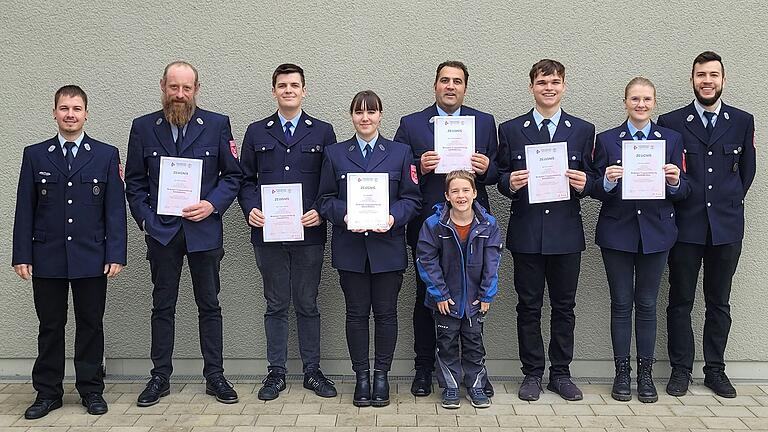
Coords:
287,147
719,153
181,129
418,131
546,239
70,229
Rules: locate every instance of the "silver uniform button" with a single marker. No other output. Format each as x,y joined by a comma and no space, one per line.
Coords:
709,169
263,148
343,176
639,212
573,157
546,211
69,184
207,153
709,204
671,215
287,168
735,152
154,153
709,187
287,150
69,238
69,220
95,181
366,233
69,201
43,181
519,157
313,150
709,153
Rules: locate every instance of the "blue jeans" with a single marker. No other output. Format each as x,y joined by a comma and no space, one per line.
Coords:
291,272
633,279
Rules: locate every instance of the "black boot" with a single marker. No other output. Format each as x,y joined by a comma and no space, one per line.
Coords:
622,383
646,391
380,394
362,397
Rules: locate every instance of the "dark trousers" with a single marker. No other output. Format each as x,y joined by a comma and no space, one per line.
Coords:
291,272
363,292
423,326
633,279
561,274
685,260
165,263
453,357
51,296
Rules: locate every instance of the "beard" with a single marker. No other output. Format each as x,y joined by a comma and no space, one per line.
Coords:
707,101
178,113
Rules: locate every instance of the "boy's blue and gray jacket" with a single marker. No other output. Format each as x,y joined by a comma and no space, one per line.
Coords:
448,271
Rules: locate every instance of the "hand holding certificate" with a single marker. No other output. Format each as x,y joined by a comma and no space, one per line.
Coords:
179,184
547,165
368,201
282,206
643,163
454,142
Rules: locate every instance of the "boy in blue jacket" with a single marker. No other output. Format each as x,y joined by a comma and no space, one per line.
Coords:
458,256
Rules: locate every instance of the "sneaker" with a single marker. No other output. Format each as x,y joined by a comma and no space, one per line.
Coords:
451,398
157,387
530,389
565,388
478,398
322,386
274,383
220,387
678,382
718,381
488,388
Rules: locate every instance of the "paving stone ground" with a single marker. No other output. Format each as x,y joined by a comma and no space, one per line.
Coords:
189,409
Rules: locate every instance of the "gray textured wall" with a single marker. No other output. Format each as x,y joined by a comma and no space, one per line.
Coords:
116,52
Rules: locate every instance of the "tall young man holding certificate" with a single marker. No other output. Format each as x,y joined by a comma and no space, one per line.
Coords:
546,238
183,130
467,142
281,153
718,141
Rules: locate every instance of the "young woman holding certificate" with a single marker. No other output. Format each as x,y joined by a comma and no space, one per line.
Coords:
635,235
369,191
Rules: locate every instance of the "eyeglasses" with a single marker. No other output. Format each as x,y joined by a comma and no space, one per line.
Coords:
635,100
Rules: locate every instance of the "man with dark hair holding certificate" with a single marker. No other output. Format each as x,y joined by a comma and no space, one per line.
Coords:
281,159
545,233
445,136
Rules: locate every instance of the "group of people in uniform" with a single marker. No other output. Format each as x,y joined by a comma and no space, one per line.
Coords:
70,229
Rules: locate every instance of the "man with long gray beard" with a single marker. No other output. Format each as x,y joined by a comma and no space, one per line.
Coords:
183,130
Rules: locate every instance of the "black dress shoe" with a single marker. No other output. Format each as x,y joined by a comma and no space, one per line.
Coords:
224,391
95,404
362,396
422,383
718,381
274,383
157,387
565,388
41,408
317,382
488,388
678,382
380,390
530,389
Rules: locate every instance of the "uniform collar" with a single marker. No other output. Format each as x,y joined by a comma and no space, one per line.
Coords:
362,143
700,109
555,119
442,113
77,141
294,121
646,130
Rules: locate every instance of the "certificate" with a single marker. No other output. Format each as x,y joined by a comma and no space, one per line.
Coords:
546,164
283,207
643,163
367,201
454,143
179,184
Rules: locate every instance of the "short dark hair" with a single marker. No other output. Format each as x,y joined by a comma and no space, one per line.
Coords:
708,56
71,91
179,63
287,68
454,64
366,100
547,67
